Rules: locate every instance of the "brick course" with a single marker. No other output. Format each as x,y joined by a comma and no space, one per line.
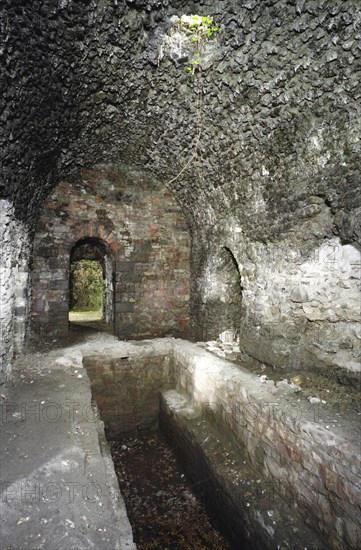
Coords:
147,243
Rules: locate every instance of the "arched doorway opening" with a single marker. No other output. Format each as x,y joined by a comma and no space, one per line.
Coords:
87,291
90,283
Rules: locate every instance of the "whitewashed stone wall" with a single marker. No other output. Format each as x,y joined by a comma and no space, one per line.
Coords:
300,297
14,288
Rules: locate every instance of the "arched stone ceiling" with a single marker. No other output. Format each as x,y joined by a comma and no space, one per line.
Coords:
273,113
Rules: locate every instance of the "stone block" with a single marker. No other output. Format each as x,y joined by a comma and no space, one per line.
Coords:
125,266
59,285
39,305
124,307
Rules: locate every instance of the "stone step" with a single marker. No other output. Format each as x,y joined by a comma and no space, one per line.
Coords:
247,504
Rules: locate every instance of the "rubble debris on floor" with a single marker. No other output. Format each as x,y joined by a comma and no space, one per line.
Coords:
162,507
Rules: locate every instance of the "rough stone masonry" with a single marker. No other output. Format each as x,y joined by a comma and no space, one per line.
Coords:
303,466
260,148
253,161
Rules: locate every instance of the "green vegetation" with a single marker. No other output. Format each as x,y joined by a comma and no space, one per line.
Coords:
193,65
86,286
190,33
200,30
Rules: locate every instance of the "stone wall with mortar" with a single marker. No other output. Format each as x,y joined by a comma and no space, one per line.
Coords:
265,133
299,448
126,388
308,455
246,504
300,298
147,242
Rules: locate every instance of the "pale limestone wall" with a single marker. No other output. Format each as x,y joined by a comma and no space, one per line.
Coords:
14,285
300,297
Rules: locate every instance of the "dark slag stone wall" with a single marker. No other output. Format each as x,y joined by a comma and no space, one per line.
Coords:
268,129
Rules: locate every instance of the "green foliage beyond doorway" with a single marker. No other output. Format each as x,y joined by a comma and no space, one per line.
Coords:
86,286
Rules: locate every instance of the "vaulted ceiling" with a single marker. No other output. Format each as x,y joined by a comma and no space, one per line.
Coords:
269,121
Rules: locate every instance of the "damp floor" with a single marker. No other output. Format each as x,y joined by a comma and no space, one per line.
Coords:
161,505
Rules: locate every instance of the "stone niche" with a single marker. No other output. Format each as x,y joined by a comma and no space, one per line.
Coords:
138,228
276,470
294,301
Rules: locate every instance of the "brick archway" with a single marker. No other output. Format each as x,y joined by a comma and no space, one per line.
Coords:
95,249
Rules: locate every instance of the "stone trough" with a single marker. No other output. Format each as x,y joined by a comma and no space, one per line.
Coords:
266,461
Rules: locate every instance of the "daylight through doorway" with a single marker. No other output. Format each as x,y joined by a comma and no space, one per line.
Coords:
87,291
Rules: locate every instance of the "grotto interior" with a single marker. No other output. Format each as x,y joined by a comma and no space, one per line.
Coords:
202,159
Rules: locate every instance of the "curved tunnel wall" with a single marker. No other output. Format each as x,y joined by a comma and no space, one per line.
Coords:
268,131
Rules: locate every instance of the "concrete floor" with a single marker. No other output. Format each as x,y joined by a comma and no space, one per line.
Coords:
58,485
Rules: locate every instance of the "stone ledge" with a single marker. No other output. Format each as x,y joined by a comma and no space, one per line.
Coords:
59,488
247,505
282,439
